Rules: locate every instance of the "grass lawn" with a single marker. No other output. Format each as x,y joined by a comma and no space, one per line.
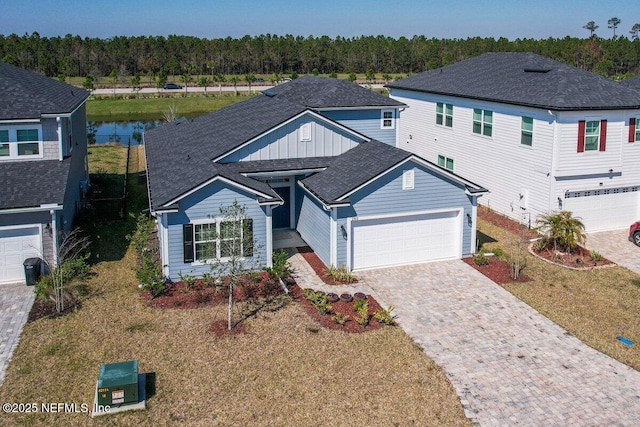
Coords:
284,371
111,109
596,306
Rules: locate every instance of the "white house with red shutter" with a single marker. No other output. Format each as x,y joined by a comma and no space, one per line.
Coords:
541,135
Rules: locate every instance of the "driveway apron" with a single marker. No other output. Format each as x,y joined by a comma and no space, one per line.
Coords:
15,304
509,364
615,246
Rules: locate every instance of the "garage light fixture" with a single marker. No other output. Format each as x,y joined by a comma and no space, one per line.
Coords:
344,232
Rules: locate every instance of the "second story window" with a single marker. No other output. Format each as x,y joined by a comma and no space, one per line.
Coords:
387,119
20,141
482,122
444,114
526,133
592,135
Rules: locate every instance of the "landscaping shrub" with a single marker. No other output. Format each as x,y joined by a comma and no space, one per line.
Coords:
361,307
480,259
384,316
319,300
340,274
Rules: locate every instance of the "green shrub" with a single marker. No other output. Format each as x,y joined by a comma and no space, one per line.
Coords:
188,279
498,252
384,316
340,274
340,318
319,300
361,307
595,255
281,267
480,259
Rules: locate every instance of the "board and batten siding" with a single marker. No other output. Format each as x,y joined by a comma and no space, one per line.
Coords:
431,192
203,205
314,227
287,142
518,177
367,122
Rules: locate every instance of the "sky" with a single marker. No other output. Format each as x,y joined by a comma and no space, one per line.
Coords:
347,18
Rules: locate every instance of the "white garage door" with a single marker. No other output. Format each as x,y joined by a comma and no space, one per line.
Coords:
606,209
406,240
16,245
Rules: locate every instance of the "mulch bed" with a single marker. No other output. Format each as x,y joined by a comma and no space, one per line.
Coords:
506,223
342,307
179,295
580,258
497,270
41,309
318,266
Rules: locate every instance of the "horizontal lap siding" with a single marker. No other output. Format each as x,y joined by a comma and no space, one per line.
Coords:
204,204
499,163
313,226
386,197
285,143
367,122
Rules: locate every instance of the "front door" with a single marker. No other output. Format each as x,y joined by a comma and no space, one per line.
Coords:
281,216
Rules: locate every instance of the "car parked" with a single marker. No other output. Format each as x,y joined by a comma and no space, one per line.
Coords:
172,86
634,233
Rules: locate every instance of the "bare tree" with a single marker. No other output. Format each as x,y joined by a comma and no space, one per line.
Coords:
591,26
233,249
613,24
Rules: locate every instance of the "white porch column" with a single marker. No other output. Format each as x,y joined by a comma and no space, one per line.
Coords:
54,235
474,224
60,140
333,229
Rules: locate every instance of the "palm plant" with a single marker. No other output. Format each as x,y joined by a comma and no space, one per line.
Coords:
234,81
562,229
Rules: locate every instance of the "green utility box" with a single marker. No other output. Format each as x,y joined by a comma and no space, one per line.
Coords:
118,383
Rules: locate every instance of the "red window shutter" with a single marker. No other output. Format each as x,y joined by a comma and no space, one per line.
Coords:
581,128
603,135
632,129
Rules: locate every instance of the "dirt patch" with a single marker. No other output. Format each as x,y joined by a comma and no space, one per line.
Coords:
318,266
41,309
497,270
221,328
342,308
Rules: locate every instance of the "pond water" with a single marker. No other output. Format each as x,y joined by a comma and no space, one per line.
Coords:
119,132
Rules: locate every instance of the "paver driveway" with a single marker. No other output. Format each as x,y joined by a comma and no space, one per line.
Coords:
15,304
615,246
509,364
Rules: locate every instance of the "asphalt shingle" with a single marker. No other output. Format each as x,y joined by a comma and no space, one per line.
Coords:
27,95
524,79
35,183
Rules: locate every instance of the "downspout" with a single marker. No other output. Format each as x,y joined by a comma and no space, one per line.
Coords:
60,142
54,235
554,161
333,241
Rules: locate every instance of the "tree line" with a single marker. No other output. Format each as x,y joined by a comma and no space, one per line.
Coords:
74,56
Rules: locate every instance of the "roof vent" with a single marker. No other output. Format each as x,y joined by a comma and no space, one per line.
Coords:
537,70
269,93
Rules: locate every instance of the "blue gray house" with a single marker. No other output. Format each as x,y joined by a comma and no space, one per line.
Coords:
43,166
314,155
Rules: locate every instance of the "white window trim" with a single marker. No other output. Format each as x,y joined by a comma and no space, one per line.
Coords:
444,115
408,179
586,123
522,130
392,118
446,158
637,132
482,122
13,142
218,240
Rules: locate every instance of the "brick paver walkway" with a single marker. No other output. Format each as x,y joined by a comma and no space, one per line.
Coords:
509,364
615,246
15,304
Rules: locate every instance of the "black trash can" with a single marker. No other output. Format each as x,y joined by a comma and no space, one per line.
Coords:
32,269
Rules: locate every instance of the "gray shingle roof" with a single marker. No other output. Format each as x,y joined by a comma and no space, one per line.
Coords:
34,183
320,92
179,155
354,168
633,83
27,95
523,79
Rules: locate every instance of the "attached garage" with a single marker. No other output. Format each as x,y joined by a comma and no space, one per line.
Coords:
16,245
398,240
604,209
